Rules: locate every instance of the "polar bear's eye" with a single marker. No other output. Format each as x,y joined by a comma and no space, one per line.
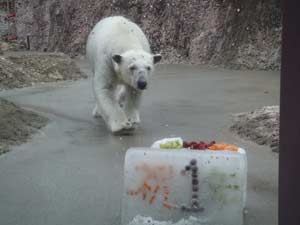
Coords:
148,68
132,68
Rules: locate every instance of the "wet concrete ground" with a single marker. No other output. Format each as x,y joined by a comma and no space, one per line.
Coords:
71,171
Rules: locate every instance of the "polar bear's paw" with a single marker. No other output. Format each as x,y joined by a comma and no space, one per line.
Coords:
135,118
96,112
122,128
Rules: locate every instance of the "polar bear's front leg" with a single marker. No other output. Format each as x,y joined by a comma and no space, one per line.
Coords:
132,104
96,112
110,110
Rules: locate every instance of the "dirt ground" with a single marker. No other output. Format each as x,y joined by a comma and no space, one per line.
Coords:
260,126
17,124
23,69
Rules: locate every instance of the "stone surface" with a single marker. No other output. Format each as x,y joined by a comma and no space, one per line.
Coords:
231,33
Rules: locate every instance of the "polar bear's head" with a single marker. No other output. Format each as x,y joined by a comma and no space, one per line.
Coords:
135,67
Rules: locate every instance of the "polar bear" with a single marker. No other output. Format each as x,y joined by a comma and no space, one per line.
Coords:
122,64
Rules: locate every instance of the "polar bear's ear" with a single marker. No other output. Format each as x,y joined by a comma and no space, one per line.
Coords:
156,58
117,58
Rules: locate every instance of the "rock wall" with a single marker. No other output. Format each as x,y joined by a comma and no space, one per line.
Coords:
231,33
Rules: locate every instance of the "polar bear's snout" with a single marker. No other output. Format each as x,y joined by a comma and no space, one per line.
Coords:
142,83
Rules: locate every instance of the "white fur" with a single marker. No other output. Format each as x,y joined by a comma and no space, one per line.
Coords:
115,84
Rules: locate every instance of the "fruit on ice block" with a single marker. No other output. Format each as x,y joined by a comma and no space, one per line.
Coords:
168,185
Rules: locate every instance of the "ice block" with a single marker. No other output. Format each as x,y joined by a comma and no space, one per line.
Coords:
174,185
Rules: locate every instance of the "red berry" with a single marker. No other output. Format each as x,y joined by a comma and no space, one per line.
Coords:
185,144
194,145
212,142
201,145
